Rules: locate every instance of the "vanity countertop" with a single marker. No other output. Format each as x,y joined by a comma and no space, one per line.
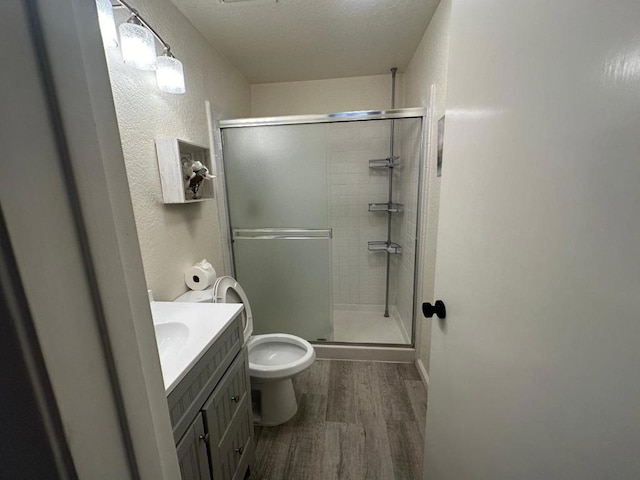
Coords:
185,331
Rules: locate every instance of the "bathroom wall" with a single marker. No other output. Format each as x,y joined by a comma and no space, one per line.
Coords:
172,237
324,96
429,67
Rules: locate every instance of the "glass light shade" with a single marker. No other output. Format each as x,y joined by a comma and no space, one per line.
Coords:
170,75
138,46
107,23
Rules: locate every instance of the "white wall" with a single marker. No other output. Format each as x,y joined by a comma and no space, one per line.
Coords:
429,67
324,96
172,237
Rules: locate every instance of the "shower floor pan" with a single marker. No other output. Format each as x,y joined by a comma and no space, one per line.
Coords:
366,324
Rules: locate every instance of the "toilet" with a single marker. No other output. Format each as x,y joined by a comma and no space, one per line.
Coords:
273,358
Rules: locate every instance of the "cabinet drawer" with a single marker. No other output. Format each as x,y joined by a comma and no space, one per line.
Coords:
231,393
231,457
186,400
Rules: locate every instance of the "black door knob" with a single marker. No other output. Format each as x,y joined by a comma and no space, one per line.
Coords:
439,309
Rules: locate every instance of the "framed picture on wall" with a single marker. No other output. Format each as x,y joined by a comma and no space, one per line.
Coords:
440,144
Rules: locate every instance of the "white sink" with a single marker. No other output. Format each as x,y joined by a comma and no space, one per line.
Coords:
185,331
171,338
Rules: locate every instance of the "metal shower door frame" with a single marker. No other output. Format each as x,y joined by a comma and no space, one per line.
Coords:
355,116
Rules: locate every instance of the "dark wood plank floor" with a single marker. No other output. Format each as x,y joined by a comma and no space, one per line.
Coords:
355,420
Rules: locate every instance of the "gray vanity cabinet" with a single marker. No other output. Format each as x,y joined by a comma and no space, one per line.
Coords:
192,453
210,411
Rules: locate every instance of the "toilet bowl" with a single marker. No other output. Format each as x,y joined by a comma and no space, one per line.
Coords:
273,358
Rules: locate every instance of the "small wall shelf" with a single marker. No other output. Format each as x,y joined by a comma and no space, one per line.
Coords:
175,158
386,207
389,162
382,246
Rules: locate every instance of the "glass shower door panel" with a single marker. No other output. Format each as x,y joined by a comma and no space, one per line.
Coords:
276,180
277,176
288,285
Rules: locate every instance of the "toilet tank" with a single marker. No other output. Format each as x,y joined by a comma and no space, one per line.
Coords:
195,296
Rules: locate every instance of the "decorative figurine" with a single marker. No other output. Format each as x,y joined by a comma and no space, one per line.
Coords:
195,173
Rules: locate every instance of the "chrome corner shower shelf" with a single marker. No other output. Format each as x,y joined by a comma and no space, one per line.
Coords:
386,207
389,162
382,246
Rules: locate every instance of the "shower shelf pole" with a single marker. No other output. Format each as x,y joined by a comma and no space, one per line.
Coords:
390,200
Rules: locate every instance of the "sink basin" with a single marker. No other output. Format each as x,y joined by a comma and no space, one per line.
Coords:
171,338
185,331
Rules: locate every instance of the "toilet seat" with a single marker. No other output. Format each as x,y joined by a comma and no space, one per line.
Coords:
228,290
279,355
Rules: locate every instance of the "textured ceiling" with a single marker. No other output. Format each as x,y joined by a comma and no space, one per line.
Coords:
312,39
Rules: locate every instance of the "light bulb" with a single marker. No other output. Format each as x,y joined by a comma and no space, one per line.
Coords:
107,23
138,45
170,74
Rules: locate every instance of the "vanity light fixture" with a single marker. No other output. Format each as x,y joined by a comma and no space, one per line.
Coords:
138,46
169,73
107,23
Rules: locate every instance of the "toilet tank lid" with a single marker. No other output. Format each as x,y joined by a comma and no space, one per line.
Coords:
195,296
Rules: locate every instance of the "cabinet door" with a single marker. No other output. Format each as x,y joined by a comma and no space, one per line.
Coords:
192,453
221,407
228,418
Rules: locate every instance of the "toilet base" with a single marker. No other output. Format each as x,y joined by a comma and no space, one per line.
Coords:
274,401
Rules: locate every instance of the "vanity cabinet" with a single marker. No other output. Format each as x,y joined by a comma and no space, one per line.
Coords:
210,411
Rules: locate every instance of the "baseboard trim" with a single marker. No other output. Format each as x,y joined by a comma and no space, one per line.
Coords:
355,352
423,373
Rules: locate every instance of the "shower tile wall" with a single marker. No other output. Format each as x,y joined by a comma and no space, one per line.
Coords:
358,274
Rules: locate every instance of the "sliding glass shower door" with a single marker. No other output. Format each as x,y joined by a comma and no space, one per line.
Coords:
277,189
324,212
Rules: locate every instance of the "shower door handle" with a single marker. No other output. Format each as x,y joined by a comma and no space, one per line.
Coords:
438,308
281,233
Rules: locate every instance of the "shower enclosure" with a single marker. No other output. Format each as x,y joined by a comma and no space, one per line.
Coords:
316,205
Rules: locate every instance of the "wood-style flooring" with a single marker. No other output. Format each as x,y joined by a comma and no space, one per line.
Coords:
355,420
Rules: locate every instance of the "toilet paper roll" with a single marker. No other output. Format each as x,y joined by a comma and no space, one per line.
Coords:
200,276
